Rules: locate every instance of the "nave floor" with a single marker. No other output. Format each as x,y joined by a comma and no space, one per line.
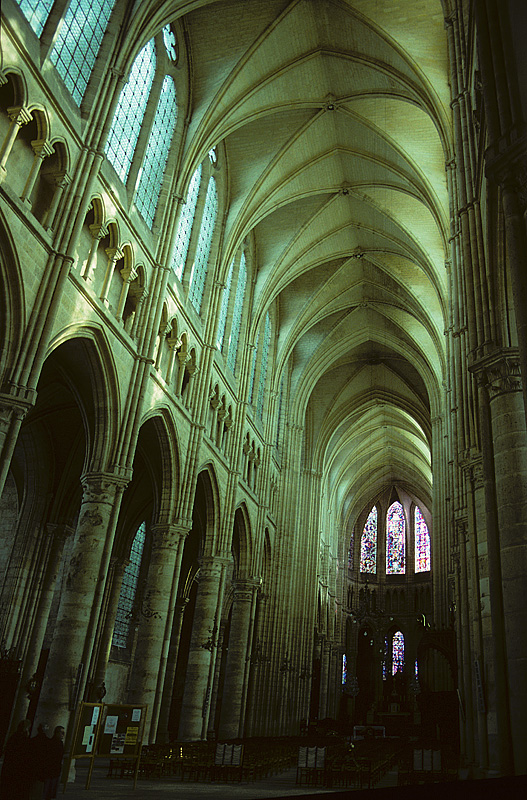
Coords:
276,786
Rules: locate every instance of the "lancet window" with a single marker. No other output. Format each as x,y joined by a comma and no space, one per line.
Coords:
263,367
123,617
368,543
36,12
397,652
422,542
237,315
395,540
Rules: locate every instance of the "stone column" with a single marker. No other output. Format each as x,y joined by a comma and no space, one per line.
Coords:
81,598
170,674
155,622
202,652
509,441
236,670
18,116
114,255
324,677
118,568
42,149
98,232
58,535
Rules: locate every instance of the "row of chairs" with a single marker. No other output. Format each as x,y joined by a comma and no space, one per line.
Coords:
360,766
210,761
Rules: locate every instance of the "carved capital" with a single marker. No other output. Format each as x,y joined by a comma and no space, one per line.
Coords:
99,487
166,537
19,115
499,372
42,148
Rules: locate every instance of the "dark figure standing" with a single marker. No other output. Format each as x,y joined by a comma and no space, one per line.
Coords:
14,781
39,749
54,763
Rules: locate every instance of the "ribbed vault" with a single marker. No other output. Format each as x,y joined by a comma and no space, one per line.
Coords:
334,117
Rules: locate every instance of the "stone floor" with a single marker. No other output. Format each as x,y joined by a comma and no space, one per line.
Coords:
277,786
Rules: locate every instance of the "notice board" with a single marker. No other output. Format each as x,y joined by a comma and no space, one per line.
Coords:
121,733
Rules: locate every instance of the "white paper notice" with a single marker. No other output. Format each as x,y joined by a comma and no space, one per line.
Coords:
136,715
95,715
87,734
89,746
110,726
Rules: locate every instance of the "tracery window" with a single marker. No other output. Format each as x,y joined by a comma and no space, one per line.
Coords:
237,315
186,220
78,43
130,112
123,617
263,368
368,543
36,12
395,540
199,268
422,542
344,668
224,308
156,153
397,652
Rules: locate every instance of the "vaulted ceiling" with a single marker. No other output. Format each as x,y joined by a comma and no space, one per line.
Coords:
335,122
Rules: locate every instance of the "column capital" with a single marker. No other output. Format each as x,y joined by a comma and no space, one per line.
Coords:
19,115
167,536
101,486
245,589
42,147
499,372
58,531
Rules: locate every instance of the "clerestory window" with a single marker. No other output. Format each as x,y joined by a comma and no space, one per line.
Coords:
123,618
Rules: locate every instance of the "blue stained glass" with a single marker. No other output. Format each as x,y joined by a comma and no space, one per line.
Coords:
36,12
224,308
395,540
123,616
422,542
78,43
186,220
397,652
344,668
237,315
199,269
368,543
130,111
156,153
263,368
416,670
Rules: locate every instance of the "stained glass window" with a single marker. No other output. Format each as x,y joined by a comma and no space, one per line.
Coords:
237,314
199,268
368,543
397,652
253,368
224,308
263,368
36,12
344,668
181,245
395,540
169,40
416,670
422,542
156,153
79,41
130,112
123,617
